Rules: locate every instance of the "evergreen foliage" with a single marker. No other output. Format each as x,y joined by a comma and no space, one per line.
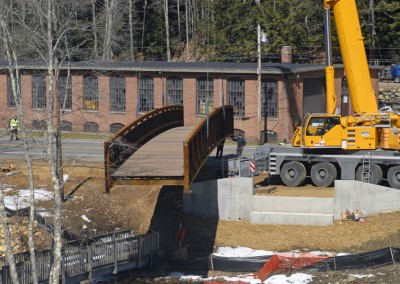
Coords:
214,30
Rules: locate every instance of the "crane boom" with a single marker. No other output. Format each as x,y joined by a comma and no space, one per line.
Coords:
354,57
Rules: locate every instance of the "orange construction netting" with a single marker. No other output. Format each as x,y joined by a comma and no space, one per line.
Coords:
281,262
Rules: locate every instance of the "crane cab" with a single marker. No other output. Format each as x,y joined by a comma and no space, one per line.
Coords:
332,131
321,130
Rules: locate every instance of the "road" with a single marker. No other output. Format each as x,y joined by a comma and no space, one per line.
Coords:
78,149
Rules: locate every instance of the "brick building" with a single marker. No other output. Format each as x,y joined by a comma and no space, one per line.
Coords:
103,97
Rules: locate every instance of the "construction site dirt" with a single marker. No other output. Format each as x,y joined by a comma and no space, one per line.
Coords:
155,208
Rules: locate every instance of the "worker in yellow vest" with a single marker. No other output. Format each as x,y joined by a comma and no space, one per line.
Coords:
14,126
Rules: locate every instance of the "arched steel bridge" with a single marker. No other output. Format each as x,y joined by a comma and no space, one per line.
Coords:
157,149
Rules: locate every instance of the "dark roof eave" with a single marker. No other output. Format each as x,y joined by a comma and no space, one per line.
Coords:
180,67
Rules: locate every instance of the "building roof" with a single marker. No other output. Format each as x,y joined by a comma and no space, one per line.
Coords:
176,67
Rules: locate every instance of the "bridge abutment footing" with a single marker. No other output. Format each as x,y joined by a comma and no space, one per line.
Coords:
233,199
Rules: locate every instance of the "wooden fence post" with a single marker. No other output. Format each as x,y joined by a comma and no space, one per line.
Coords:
115,270
90,262
63,268
140,252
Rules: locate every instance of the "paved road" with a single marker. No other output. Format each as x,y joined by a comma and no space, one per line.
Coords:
79,149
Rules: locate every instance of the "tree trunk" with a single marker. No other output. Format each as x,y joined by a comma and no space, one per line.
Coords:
57,233
131,30
167,29
94,29
187,28
107,50
179,20
7,236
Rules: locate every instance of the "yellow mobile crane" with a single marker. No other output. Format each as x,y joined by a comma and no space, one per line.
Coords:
328,146
367,128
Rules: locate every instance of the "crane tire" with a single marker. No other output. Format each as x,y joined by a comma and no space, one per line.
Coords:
375,174
397,79
323,174
393,177
293,173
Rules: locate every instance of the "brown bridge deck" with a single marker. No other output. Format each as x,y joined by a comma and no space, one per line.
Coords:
161,157
157,149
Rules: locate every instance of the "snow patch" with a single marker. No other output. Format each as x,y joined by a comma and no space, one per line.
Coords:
241,252
86,218
298,278
20,199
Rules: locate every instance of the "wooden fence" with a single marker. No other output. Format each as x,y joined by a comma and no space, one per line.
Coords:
106,255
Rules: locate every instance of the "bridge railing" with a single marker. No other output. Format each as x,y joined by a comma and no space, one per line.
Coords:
203,139
130,138
81,263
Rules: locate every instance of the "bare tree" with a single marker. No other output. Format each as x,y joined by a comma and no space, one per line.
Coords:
110,7
131,30
16,90
179,19
94,30
45,34
167,29
187,27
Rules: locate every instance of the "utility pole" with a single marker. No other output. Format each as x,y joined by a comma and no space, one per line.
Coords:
261,38
259,82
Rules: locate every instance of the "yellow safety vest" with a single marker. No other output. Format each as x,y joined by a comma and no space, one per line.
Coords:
14,123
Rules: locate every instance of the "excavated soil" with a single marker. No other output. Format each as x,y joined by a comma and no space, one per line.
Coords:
155,208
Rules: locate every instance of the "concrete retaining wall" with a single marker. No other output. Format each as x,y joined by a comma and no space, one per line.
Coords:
370,198
233,199
226,199
293,204
281,210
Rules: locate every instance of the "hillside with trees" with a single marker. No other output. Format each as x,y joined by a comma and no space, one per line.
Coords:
194,30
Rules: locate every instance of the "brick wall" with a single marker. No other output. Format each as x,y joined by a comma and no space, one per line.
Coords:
290,102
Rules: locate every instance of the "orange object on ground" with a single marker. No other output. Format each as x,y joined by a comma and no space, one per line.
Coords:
281,262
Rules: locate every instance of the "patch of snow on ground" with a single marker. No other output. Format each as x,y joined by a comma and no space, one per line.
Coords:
321,253
84,217
241,252
298,278
20,200
362,276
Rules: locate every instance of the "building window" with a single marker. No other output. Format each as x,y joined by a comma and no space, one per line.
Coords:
39,124
117,93
66,125
174,91
146,94
236,96
90,93
38,92
10,95
205,95
91,127
65,92
115,127
269,98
